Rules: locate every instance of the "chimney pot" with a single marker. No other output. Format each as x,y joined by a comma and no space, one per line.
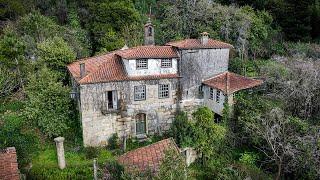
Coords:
204,38
82,70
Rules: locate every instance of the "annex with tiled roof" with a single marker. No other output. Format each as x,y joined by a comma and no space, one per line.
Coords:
229,82
196,44
148,157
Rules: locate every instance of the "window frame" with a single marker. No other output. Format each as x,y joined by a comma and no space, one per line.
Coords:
162,63
135,92
218,96
138,64
211,93
161,91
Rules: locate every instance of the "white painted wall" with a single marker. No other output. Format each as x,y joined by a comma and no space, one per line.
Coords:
154,67
212,104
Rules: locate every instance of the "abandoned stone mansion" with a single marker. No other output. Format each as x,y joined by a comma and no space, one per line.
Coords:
137,91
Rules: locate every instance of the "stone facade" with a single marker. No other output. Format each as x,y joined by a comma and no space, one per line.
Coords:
195,66
200,64
98,127
109,92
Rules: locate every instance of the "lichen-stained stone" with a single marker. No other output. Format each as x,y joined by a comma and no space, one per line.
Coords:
99,127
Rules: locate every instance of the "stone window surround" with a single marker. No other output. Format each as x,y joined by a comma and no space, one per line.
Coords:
141,63
164,91
142,95
166,63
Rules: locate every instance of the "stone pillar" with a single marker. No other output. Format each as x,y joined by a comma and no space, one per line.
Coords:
60,152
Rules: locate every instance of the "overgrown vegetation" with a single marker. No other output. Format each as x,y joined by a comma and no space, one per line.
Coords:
275,40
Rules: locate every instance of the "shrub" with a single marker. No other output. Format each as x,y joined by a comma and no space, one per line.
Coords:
115,169
182,130
248,158
113,142
15,132
91,152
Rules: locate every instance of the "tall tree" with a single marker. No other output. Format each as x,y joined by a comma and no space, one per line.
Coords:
48,104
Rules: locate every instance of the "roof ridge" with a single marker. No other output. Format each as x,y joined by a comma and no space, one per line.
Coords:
217,75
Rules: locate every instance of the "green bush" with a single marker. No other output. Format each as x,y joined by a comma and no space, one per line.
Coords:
182,130
115,169
91,152
248,158
15,132
113,142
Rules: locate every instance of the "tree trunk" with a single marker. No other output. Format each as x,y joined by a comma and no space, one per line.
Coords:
279,170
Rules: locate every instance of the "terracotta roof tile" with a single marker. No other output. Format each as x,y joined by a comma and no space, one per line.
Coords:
109,67
91,64
229,82
196,44
148,52
148,157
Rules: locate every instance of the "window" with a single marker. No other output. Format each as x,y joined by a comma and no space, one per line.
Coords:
140,93
211,94
218,96
200,91
142,63
166,63
149,31
163,90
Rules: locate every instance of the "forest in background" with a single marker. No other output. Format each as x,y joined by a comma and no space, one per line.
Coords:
274,132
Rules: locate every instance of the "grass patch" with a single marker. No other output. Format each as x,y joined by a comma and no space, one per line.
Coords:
78,165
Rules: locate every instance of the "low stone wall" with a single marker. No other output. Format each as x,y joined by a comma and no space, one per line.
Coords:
8,164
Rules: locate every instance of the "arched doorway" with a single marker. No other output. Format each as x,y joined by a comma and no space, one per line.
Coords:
141,124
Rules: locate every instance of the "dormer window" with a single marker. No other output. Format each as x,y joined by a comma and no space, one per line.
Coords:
166,63
142,64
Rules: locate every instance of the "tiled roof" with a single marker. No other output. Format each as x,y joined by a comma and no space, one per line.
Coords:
109,67
148,52
92,64
8,164
229,82
196,44
111,70
148,157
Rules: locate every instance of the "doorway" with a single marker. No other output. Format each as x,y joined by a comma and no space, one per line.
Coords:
141,124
